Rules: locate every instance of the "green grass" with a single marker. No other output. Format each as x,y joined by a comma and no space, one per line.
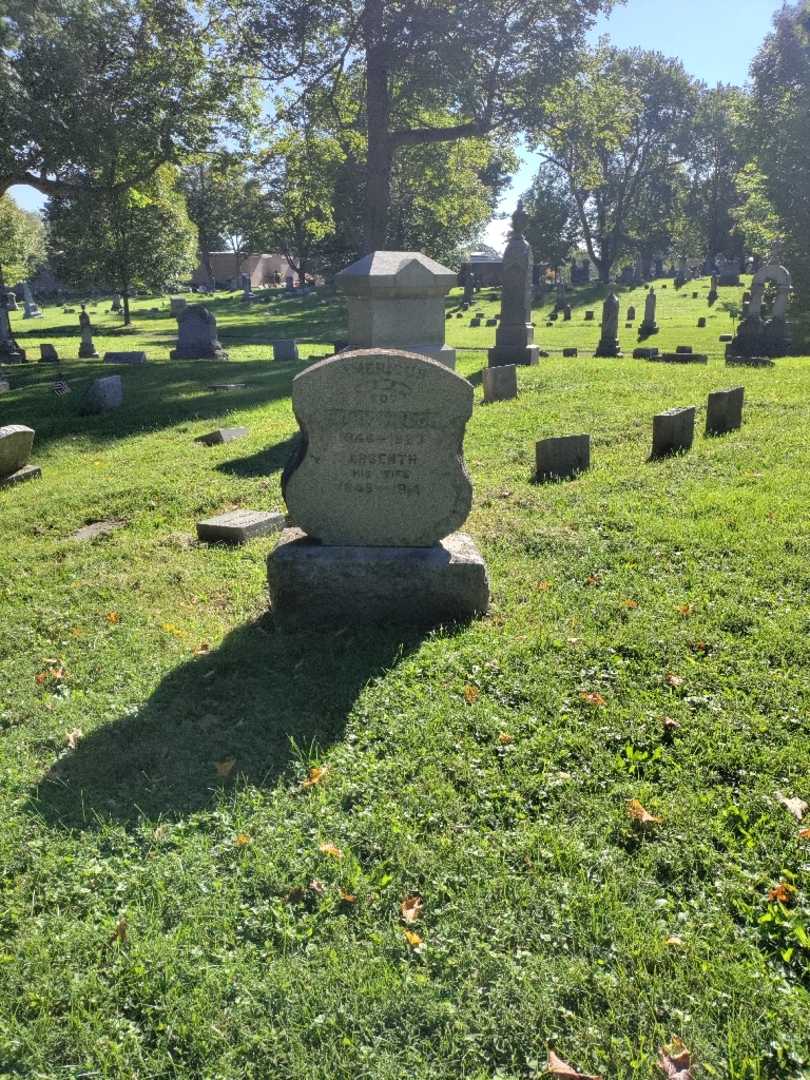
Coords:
547,912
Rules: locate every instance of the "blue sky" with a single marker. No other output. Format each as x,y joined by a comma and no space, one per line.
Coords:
715,39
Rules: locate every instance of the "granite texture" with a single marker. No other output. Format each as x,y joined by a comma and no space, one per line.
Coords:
381,460
500,383
103,395
673,431
222,435
239,526
313,585
16,443
562,457
125,358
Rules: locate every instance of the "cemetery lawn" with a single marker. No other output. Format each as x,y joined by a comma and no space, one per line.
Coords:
207,829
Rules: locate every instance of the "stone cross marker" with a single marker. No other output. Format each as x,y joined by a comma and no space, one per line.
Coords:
514,338
382,463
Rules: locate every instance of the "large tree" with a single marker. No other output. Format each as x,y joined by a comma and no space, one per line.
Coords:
775,217
80,76
614,129
553,228
431,71
22,240
123,238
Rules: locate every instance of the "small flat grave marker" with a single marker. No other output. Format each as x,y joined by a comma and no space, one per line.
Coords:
570,352
27,472
239,526
749,361
125,357
562,457
227,386
97,529
673,431
222,435
724,410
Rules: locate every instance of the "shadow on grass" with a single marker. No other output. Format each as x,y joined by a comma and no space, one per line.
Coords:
155,395
265,462
260,699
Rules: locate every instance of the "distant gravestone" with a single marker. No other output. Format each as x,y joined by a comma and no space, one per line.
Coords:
570,352
239,526
177,305
567,313
562,457
103,395
222,435
5,386
684,350
649,325
475,321
11,302
749,361
48,353
631,314
673,431
378,484
514,339
10,352
645,353
396,301
116,303
285,350
16,443
589,316
87,349
197,335
701,323
724,410
609,339
134,357
500,383
31,309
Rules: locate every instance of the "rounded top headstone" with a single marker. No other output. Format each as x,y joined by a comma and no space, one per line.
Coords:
382,459
396,274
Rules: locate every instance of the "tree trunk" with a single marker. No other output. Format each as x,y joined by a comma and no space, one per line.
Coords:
380,148
125,296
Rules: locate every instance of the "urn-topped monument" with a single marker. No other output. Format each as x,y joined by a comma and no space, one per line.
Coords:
514,338
377,490
396,301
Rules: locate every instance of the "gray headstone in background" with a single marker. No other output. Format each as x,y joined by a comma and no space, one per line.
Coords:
514,339
684,350
312,585
222,435
681,358
643,353
649,325
609,338
724,410
116,303
197,335
383,462
726,338
239,526
5,386
562,457
589,316
11,302
177,305
103,395
285,350
701,323
673,431
48,353
16,443
31,309
631,314
125,358
500,383
87,350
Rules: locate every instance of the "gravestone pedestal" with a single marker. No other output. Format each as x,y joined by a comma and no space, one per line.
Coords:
312,584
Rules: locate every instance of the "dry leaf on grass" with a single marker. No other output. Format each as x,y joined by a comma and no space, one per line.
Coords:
637,812
317,887
347,898
331,850
411,908
471,694
631,605
241,839
797,807
683,609
669,724
202,649
783,893
113,617
316,774
120,932
225,767
674,940
674,680
413,939
804,834
675,1061
505,738
592,698
72,738
557,1067
543,586
593,579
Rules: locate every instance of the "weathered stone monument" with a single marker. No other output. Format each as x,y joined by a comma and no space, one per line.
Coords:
31,309
11,302
103,395
396,301
649,326
755,335
713,293
377,489
16,443
177,305
609,339
10,351
197,335
87,350
514,338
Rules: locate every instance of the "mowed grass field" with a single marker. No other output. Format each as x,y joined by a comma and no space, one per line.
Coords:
181,895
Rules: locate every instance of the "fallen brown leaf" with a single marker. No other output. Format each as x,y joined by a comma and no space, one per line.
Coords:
797,807
471,694
202,649
72,738
593,579
331,850
413,939
804,834
630,604
316,774
593,698
543,586
669,724
557,1067
120,932
674,680
683,609
675,1061
241,839
347,898
317,887
637,812
505,738
783,893
411,908
113,617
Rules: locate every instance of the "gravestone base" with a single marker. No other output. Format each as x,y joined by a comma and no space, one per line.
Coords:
749,361
647,329
609,348
11,353
523,357
198,354
312,585
27,472
87,352
681,358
